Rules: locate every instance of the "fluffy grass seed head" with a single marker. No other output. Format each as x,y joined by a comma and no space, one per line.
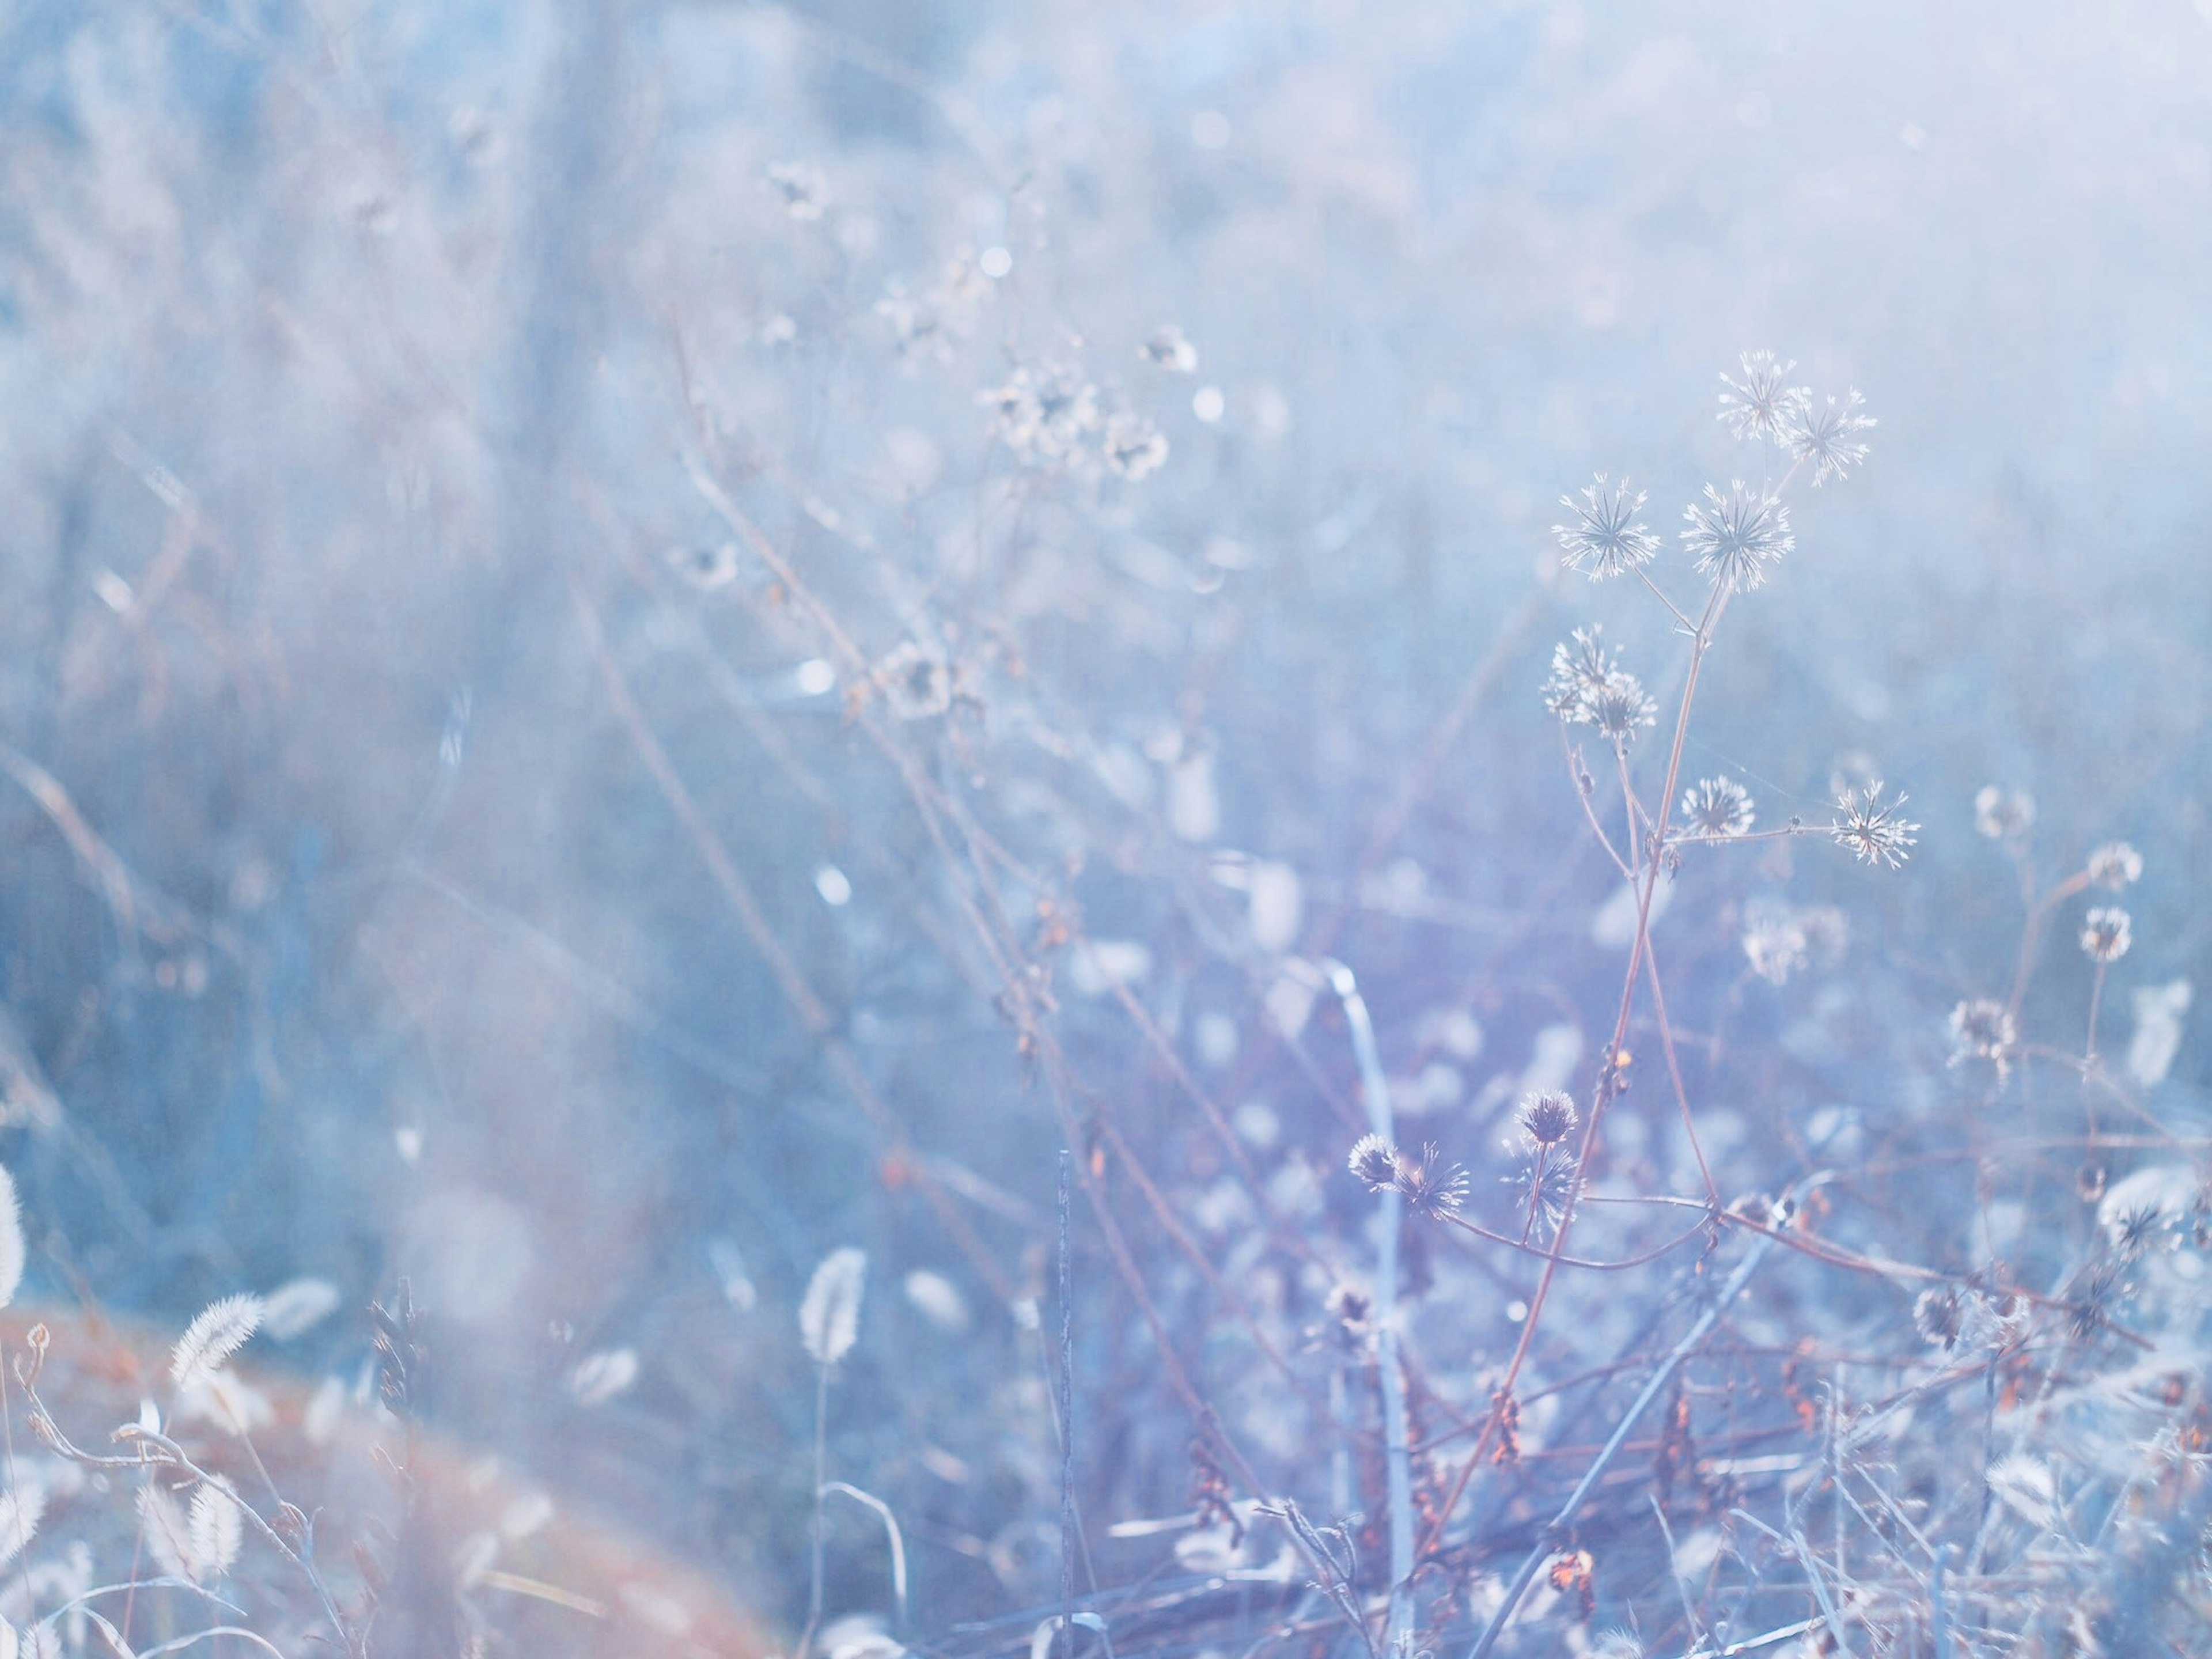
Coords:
223,1328
2106,933
12,1253
1605,538
1826,435
1759,405
1736,538
829,1315
2115,865
1874,830
1714,809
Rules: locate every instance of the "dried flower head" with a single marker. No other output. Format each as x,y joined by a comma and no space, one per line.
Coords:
1548,1184
1605,539
1735,538
916,682
1873,829
1716,808
2115,865
1827,435
1940,1316
1134,445
1774,943
1621,707
1759,405
2003,814
1581,666
2106,933
1548,1119
1375,1160
1981,1028
1431,1186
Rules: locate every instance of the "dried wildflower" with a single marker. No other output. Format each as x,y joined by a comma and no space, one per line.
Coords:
2106,933
1982,1030
1605,538
1581,666
2115,865
1827,436
1736,536
1547,1181
209,1341
1716,808
1874,831
801,188
1044,412
2003,814
1939,1317
916,682
1774,944
1548,1118
1351,1316
1621,707
1168,349
829,1315
1134,445
1431,1186
1759,405
1375,1160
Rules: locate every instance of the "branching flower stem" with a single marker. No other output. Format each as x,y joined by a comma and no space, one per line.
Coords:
1700,643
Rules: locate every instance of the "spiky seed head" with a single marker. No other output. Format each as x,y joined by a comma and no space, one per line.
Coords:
1826,435
1737,537
1431,1186
1605,538
1875,831
1714,809
1757,405
1548,1119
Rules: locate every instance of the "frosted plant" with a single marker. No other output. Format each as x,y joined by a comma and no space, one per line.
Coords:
1737,537
1826,435
1605,538
1714,809
21,1508
1874,830
1758,406
221,1329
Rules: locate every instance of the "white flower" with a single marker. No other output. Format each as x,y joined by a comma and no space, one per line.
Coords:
1757,405
1605,538
1826,435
